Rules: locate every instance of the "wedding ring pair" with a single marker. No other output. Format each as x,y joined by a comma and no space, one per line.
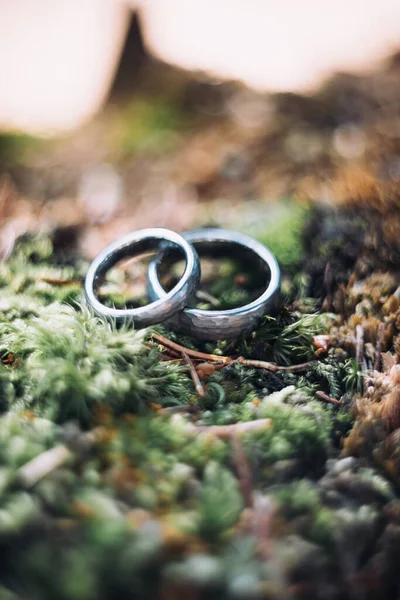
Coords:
171,307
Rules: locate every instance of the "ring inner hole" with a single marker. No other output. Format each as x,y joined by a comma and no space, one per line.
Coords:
124,283
227,281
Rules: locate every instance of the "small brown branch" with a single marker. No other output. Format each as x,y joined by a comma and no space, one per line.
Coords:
168,360
192,353
261,364
226,360
200,391
40,466
50,460
262,523
59,282
168,352
243,470
379,345
226,431
327,398
182,408
202,295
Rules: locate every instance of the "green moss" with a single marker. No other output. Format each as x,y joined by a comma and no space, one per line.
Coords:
156,502
220,503
297,433
298,498
70,362
285,339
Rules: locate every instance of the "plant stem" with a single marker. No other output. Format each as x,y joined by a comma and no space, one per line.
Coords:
200,391
50,460
192,353
327,398
226,431
173,410
242,469
261,364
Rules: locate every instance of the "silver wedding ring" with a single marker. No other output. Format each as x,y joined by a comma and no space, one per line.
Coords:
223,324
171,307
133,244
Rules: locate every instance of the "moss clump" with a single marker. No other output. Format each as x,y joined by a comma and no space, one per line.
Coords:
221,501
70,362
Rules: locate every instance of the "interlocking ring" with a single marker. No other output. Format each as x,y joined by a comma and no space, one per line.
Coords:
133,244
221,324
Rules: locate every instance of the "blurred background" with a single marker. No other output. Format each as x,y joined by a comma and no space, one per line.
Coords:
117,115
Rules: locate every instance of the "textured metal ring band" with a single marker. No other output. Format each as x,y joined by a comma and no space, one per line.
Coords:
133,244
222,324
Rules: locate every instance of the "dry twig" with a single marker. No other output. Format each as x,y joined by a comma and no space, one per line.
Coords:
59,282
50,460
261,364
200,391
227,431
206,368
243,470
192,353
327,398
182,408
